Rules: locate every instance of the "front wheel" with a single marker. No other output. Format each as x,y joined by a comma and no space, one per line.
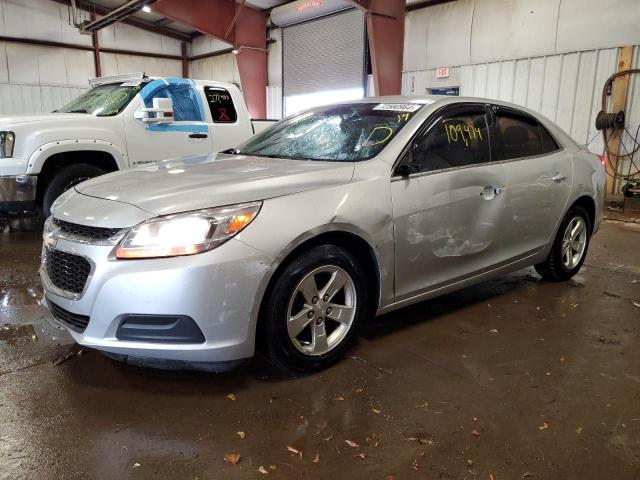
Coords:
569,247
315,307
68,177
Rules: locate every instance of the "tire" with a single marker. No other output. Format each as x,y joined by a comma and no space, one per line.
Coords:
558,267
65,179
308,351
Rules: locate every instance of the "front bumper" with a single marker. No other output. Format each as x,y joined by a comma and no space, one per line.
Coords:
18,188
218,289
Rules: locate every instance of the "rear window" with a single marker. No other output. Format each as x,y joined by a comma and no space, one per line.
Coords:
221,105
521,136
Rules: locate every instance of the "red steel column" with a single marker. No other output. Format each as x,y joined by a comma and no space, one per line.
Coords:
385,28
251,41
248,36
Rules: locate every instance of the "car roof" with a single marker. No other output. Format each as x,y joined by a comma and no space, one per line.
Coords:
433,102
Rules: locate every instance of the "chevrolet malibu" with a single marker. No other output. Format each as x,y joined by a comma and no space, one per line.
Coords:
288,243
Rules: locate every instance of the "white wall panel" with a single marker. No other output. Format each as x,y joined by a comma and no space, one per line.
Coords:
36,65
565,88
206,44
119,64
591,24
223,68
127,37
41,78
18,99
39,19
512,29
480,31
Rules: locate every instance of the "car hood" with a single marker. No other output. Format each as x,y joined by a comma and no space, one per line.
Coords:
199,182
43,117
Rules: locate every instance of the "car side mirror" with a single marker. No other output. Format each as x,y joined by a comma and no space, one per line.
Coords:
162,112
407,167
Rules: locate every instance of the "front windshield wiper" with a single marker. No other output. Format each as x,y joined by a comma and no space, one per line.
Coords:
78,110
231,151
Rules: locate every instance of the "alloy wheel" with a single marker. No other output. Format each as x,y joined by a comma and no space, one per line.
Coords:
574,242
321,310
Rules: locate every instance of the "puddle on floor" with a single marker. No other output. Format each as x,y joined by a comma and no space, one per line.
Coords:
20,296
18,334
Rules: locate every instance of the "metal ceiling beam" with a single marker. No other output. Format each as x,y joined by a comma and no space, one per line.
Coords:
425,4
133,21
116,15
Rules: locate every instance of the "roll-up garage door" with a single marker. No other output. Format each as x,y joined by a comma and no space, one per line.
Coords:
323,60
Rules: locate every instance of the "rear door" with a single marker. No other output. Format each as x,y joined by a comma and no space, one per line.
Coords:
538,180
448,206
230,125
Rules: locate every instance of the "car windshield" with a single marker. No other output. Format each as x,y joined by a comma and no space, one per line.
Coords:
348,133
103,100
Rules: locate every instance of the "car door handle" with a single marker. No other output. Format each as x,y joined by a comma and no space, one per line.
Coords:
490,192
198,135
558,177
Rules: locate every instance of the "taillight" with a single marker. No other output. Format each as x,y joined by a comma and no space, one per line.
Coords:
603,160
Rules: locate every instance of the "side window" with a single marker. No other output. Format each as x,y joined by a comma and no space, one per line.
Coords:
521,136
548,143
186,103
456,139
221,105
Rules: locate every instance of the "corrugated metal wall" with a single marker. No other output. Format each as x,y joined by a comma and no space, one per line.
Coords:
223,68
566,88
35,79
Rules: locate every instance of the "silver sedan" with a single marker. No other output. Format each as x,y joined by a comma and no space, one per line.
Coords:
288,243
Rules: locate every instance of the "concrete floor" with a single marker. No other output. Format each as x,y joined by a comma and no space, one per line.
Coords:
511,379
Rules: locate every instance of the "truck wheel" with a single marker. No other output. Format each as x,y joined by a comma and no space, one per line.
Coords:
65,179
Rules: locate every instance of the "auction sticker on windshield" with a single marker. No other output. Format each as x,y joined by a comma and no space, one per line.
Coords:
398,107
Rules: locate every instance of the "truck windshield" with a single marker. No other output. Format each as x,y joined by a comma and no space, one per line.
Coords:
347,133
103,100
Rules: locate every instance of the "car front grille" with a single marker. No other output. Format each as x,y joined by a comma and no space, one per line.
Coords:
66,271
85,232
77,323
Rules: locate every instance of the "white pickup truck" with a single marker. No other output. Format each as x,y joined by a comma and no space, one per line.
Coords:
121,122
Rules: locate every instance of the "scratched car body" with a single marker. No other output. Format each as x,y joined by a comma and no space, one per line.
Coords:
287,243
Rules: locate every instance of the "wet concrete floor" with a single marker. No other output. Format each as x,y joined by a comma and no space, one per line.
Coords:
515,378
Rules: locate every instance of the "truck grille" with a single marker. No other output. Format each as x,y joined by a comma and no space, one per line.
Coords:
66,271
85,232
77,323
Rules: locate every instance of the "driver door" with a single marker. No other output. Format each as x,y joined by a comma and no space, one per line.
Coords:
448,202
188,134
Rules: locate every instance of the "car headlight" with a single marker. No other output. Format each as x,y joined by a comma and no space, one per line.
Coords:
7,140
186,233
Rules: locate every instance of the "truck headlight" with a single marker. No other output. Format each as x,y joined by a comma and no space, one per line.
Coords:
7,139
186,233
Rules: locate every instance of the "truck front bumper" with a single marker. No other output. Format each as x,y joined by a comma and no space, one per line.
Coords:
17,192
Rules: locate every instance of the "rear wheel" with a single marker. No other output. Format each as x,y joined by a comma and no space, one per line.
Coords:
314,310
66,178
569,248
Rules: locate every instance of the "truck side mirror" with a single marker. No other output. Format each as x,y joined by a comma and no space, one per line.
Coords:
162,112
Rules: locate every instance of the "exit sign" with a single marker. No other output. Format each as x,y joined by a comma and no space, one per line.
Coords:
442,72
